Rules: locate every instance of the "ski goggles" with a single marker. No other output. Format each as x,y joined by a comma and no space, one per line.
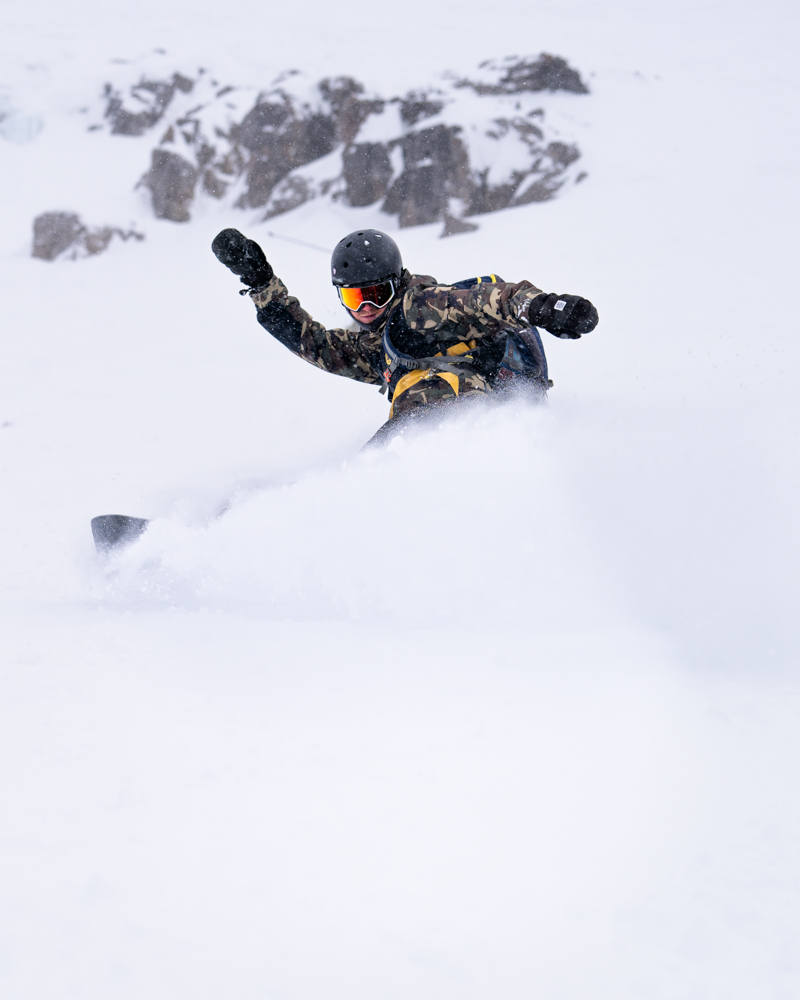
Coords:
375,295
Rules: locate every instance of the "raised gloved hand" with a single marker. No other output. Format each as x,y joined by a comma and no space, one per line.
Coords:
244,257
565,316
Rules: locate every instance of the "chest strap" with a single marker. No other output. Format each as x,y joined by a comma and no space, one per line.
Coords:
439,366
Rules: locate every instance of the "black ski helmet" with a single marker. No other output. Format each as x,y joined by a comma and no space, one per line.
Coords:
365,257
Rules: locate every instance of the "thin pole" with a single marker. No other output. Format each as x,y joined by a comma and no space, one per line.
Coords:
302,243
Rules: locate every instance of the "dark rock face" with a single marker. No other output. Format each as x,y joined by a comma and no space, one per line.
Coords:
562,153
279,148
155,95
260,125
416,106
213,185
453,226
367,170
55,233
282,137
462,148
348,108
435,168
530,75
171,181
294,192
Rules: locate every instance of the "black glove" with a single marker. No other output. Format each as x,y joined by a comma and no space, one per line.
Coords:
244,257
565,316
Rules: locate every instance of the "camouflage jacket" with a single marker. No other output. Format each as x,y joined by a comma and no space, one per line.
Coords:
434,317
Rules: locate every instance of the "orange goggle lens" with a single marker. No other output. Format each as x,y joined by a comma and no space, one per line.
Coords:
377,295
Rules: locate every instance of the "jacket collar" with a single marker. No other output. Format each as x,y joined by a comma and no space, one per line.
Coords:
407,280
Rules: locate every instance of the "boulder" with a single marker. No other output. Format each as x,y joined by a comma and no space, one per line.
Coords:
518,76
367,170
279,142
171,181
418,105
153,96
435,168
453,226
57,233
348,108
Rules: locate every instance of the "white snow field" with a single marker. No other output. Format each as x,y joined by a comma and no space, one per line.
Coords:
507,711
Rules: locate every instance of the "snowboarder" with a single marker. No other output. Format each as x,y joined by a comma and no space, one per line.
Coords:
425,342
428,344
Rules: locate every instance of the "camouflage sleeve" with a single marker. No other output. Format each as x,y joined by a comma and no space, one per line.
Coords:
353,354
452,314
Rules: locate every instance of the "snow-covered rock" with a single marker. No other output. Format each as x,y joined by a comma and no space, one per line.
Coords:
62,233
462,147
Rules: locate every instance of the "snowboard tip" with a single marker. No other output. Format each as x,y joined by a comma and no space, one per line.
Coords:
115,531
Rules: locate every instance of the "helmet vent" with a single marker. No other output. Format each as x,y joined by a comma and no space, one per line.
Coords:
345,264
349,244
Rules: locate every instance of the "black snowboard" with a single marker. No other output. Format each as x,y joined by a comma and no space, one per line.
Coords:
115,531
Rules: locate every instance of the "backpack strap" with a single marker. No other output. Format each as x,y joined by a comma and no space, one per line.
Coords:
395,360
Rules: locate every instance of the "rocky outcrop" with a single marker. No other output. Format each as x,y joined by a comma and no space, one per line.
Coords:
520,76
172,181
454,226
57,233
278,142
435,169
460,149
366,171
152,96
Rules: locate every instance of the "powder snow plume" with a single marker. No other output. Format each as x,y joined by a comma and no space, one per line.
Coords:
508,707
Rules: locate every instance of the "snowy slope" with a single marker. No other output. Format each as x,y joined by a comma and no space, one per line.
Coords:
510,710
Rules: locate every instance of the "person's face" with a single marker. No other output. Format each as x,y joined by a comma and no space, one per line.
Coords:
367,312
